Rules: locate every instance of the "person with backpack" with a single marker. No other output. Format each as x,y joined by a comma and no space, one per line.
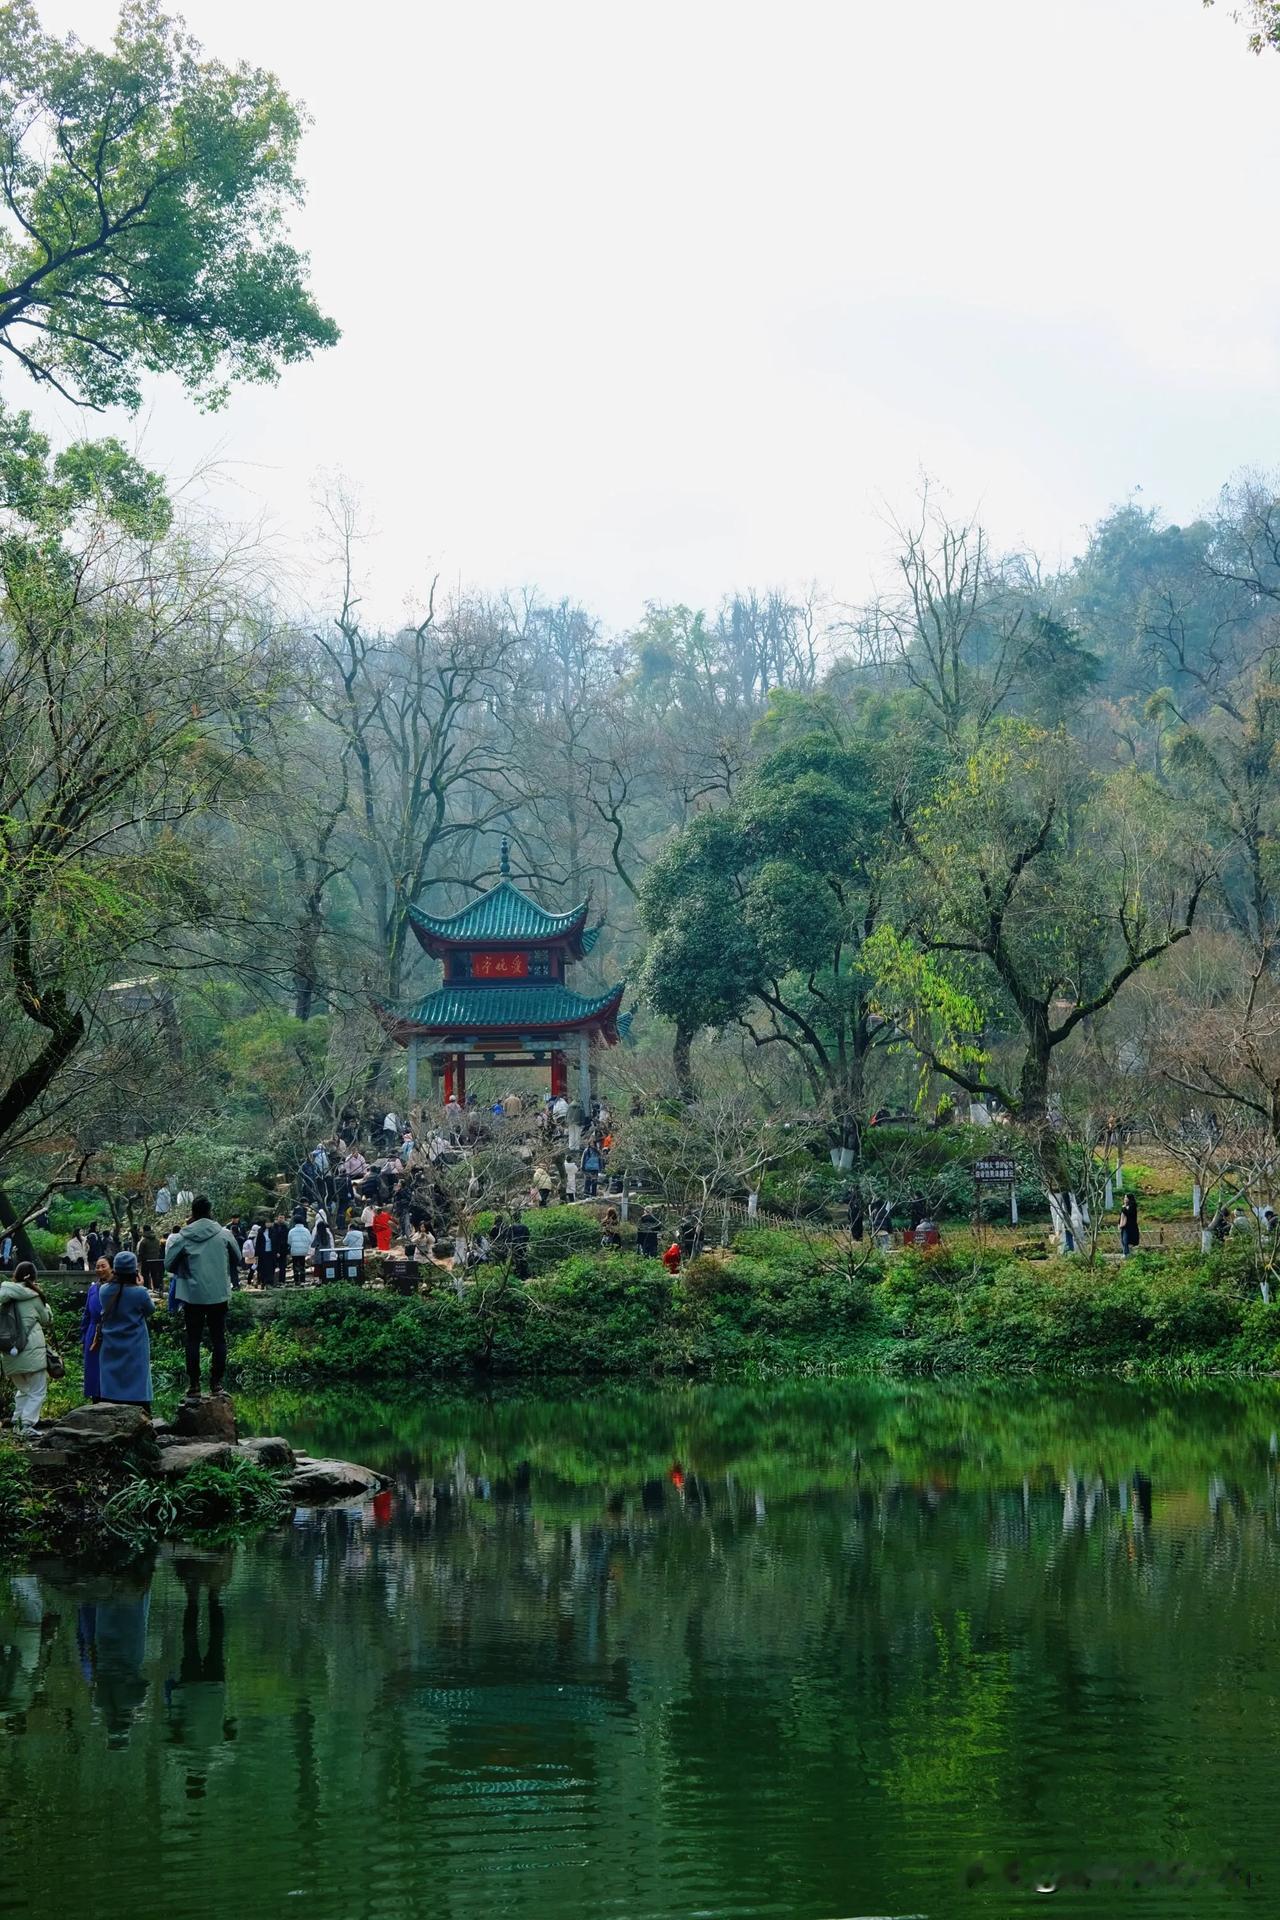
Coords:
25,1321
151,1258
200,1258
124,1351
592,1168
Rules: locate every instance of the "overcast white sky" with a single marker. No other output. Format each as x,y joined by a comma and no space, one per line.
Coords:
656,302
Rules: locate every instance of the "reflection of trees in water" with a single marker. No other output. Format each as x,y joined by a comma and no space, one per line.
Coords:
794,1436
881,1632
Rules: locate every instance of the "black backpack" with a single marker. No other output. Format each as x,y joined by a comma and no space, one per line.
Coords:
14,1331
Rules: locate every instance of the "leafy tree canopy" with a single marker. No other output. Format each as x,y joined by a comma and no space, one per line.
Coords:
1263,17
146,189
757,913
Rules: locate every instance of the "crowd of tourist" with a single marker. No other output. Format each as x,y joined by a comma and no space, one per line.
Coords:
401,1198
200,1258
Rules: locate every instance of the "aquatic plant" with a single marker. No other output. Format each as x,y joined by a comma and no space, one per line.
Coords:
211,1500
19,1507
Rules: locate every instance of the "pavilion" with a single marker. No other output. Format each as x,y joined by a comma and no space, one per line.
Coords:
503,1001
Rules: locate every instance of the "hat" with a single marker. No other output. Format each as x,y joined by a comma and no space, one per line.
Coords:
125,1264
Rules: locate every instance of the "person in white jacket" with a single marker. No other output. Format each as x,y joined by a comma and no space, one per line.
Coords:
299,1248
26,1360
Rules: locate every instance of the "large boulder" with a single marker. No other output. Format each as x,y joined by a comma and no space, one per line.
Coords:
317,1482
180,1456
106,1435
212,1419
270,1452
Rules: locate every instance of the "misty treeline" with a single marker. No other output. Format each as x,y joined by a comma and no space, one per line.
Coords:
994,832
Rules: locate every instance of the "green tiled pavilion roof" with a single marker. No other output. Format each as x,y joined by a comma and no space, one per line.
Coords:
515,1009
501,914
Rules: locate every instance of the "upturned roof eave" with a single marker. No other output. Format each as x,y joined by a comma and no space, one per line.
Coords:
452,930
601,1014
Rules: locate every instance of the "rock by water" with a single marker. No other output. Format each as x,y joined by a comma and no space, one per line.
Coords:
115,1443
179,1456
106,1436
317,1482
270,1452
212,1419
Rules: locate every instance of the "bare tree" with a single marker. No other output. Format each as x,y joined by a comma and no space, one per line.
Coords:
959,629
424,716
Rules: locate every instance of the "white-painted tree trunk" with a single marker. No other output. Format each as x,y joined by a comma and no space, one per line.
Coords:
1206,1240
1197,1200
1058,1220
1013,1207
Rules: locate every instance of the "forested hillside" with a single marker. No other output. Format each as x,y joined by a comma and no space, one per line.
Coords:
994,832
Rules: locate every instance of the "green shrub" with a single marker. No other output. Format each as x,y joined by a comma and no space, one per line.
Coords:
802,1186
775,1300
555,1233
19,1508
211,1500
705,1277
781,1247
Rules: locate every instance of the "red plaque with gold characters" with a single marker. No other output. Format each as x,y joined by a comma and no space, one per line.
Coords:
499,966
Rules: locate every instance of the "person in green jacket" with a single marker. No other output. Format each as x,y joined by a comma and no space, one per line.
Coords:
27,1365
202,1258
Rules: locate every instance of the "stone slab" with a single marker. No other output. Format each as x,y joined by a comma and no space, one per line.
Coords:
270,1451
177,1460
320,1482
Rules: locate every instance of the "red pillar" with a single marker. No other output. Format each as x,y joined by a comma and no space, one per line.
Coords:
448,1080
462,1079
559,1076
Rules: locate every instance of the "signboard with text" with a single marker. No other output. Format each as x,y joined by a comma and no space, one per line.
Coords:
499,966
995,1170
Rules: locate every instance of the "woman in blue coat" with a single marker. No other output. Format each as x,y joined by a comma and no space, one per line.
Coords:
90,1322
125,1353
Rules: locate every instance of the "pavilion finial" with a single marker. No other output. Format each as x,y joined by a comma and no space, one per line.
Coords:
504,858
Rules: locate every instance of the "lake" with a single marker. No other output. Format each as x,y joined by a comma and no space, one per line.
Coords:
816,1649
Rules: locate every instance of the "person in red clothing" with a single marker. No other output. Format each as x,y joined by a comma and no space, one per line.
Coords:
382,1224
671,1258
